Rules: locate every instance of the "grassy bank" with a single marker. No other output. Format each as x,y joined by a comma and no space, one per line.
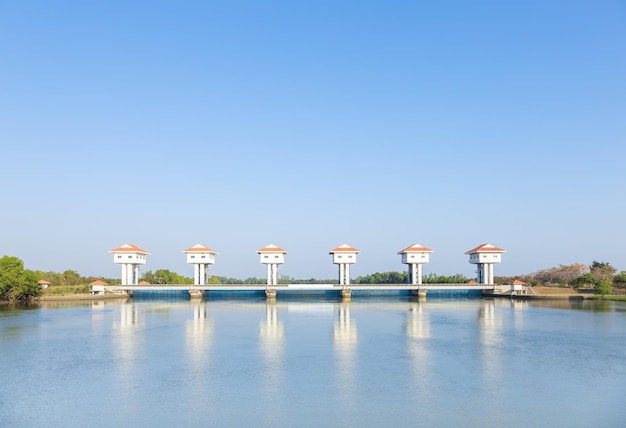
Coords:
65,290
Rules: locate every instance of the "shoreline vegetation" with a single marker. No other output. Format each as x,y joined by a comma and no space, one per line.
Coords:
599,280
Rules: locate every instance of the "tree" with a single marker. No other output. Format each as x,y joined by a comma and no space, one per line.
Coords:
603,288
562,275
16,283
602,271
586,280
165,276
619,280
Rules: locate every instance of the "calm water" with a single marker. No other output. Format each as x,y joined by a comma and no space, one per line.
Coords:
314,362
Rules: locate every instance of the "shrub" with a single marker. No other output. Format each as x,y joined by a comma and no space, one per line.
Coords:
603,288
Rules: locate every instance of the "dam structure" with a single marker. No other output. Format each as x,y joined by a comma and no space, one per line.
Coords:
130,256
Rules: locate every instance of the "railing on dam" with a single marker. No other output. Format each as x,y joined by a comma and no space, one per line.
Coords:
295,287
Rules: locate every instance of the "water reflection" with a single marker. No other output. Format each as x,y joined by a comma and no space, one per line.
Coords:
198,334
490,326
418,348
272,338
125,349
345,343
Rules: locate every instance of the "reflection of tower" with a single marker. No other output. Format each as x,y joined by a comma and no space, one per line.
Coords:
201,257
271,332
490,342
126,339
345,339
130,257
344,333
198,333
344,255
129,316
418,332
484,256
418,324
415,256
272,256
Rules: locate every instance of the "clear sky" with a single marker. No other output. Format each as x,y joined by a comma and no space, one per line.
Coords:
309,124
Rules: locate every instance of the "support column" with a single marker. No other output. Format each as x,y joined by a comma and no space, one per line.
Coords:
347,272
269,274
195,274
419,273
136,276
275,274
124,279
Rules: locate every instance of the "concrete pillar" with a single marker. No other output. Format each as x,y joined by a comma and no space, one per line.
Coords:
275,274
347,280
419,273
136,276
124,281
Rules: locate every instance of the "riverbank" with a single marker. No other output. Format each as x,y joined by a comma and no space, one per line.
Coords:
81,296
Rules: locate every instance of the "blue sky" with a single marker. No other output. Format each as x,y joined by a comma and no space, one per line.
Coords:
309,124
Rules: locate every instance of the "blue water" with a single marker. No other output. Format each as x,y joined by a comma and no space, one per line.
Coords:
312,361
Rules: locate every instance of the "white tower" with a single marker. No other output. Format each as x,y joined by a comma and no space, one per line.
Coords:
415,256
201,257
130,257
485,256
272,256
344,255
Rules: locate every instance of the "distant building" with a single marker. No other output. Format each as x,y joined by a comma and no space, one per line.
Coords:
415,256
98,287
43,283
144,283
272,256
485,256
344,255
201,257
130,257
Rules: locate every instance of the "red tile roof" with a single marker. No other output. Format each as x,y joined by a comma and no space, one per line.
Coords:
518,282
271,249
128,248
43,281
485,248
144,283
199,248
416,248
344,248
98,282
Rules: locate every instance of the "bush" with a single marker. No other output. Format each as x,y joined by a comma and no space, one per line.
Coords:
603,288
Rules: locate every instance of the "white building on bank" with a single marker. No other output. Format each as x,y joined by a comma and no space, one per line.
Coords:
344,255
201,257
130,257
415,256
485,256
272,256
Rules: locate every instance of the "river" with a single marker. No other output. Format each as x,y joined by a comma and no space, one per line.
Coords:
313,361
